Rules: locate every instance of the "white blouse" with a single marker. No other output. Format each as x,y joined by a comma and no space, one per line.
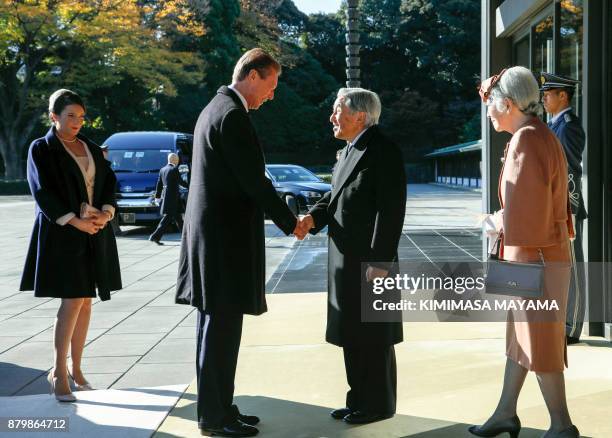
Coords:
88,170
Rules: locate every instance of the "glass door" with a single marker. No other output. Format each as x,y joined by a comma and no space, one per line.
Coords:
570,45
542,37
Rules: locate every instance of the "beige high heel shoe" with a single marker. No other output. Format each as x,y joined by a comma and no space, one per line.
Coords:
85,387
67,398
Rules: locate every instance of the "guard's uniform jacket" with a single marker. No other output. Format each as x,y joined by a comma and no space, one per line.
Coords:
568,130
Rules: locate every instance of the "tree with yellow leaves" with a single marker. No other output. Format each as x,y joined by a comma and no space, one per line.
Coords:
85,45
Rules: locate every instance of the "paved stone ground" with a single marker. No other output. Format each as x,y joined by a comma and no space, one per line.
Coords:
287,374
140,337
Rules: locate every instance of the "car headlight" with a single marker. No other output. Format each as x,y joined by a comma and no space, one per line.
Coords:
311,194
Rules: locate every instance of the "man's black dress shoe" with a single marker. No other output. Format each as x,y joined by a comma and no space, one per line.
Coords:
251,420
511,425
155,241
234,429
359,417
572,340
339,414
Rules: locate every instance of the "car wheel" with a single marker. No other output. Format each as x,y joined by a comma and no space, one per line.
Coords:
292,204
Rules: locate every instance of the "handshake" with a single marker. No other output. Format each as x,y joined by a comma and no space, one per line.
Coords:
303,226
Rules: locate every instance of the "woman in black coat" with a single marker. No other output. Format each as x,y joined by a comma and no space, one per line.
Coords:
71,251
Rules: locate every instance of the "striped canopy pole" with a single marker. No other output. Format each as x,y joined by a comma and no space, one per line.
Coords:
352,45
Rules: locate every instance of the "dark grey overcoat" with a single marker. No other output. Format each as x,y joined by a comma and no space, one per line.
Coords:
167,188
365,215
63,262
222,260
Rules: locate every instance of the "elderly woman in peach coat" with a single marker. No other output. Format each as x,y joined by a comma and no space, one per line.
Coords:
534,223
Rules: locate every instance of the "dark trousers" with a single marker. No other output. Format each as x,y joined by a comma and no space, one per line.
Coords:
576,298
164,224
371,373
218,342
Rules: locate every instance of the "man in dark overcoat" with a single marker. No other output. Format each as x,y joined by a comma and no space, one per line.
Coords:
364,214
558,92
167,189
222,260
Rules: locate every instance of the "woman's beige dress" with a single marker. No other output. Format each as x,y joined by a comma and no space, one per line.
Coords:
534,196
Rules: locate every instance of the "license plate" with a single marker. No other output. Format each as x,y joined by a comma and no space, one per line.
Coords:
128,218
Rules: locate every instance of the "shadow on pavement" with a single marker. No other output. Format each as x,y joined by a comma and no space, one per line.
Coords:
593,343
285,418
13,378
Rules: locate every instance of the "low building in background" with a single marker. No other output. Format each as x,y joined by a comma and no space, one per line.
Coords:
458,165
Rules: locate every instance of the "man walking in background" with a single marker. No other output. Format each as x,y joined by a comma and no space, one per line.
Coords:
222,260
168,190
558,92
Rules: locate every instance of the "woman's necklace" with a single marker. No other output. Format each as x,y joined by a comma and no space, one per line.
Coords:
67,141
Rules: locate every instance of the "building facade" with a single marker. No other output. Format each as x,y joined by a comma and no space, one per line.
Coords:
572,38
457,165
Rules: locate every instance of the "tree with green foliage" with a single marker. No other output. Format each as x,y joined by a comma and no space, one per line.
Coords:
154,64
295,125
219,48
87,45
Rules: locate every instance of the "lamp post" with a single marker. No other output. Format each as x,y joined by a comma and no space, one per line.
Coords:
353,61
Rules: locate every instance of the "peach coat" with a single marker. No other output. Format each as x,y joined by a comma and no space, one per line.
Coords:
533,193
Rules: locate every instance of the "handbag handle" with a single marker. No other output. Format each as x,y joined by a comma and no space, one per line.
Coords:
497,248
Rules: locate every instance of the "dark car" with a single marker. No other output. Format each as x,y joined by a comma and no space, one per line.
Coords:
299,187
136,158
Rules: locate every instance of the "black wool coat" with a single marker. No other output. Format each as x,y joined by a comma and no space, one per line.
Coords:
222,259
167,189
364,213
63,262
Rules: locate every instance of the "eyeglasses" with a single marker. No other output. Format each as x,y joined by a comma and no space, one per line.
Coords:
487,85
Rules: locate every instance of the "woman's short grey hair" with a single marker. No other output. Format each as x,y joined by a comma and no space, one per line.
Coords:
520,86
361,100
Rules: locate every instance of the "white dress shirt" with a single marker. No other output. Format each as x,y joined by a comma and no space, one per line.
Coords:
242,99
559,114
355,140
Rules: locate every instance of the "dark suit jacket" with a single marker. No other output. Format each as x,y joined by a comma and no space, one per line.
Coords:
365,215
568,130
62,261
168,190
222,260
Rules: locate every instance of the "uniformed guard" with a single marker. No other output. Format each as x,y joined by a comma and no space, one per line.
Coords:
557,96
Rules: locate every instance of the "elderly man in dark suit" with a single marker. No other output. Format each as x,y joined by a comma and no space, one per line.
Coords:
364,213
168,190
222,260
557,97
